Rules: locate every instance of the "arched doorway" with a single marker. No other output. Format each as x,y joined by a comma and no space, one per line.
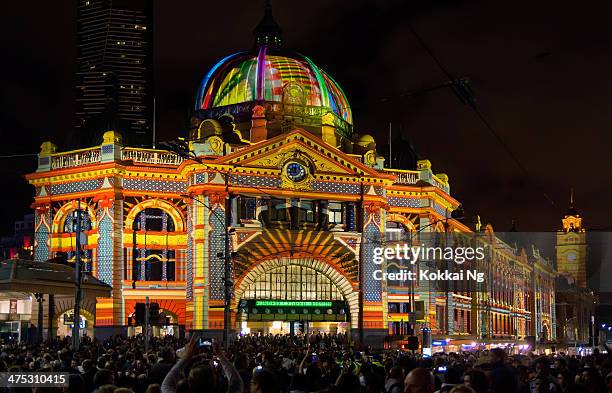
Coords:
295,294
66,319
64,315
168,321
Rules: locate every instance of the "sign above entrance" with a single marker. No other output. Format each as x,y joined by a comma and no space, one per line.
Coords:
291,303
293,310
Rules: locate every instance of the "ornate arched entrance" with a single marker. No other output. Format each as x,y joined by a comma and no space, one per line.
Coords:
290,282
65,320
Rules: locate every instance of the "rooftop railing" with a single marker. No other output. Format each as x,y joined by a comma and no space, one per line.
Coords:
404,176
150,156
75,158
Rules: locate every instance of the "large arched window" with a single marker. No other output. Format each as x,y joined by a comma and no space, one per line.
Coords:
292,282
153,259
154,219
71,227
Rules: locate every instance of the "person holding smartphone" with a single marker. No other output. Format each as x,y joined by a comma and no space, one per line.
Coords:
205,376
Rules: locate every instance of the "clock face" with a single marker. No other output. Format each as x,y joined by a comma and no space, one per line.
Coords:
296,171
571,256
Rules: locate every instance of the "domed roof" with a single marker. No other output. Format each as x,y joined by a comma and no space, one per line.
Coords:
269,73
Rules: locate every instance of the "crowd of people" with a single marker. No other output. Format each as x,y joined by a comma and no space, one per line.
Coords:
297,364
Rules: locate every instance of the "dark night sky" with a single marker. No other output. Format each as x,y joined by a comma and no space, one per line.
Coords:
541,70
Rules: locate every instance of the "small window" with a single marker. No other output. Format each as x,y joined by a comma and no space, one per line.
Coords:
335,212
278,210
307,212
248,207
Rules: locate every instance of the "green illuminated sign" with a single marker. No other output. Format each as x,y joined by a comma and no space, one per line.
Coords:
291,303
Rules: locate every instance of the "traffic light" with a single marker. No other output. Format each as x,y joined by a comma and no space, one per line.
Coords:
153,313
413,343
139,315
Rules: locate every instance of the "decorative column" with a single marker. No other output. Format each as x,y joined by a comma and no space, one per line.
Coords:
374,329
189,287
110,313
42,231
214,250
199,262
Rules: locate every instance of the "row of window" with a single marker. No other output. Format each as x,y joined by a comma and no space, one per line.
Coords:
270,211
150,219
293,211
399,307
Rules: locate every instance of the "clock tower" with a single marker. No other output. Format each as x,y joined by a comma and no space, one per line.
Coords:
571,247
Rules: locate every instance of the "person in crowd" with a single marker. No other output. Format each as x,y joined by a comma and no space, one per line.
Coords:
477,380
162,367
542,381
315,362
395,380
419,380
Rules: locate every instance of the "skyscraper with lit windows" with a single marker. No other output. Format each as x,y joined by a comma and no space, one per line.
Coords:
114,79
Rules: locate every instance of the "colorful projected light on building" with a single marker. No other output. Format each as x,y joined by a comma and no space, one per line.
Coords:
271,75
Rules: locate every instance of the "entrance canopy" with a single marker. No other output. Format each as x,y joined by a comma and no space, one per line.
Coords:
18,275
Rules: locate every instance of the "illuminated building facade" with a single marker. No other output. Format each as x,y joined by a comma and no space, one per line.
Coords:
307,200
114,70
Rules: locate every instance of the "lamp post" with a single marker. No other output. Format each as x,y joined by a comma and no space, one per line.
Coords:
181,148
227,256
40,298
76,323
456,214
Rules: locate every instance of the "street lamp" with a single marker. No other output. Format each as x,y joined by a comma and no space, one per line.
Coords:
76,323
456,214
228,284
181,148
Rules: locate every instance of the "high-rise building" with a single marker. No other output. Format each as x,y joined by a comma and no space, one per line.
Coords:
114,79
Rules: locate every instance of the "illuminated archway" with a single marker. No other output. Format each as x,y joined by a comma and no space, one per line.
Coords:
340,282
65,305
172,210
60,217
